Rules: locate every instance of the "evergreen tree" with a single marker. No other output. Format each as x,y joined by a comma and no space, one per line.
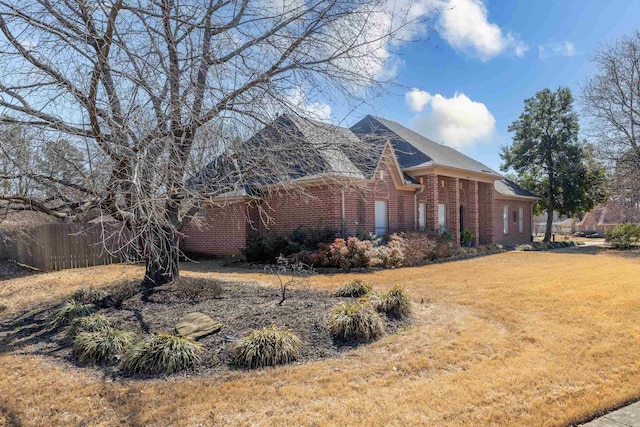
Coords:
550,161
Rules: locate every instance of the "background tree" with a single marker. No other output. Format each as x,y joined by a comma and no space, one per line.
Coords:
611,102
144,87
549,160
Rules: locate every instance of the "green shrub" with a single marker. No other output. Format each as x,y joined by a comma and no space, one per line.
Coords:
624,236
89,295
69,311
92,323
266,347
355,321
162,353
355,288
102,345
309,238
395,302
466,237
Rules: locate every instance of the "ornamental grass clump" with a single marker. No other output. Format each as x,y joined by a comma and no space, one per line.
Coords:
89,295
357,321
267,347
92,323
102,345
356,289
162,353
69,311
395,302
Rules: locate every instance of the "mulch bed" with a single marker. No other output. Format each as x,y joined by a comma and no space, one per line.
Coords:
11,270
240,306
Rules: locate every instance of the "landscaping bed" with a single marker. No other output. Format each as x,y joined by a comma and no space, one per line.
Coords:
239,307
11,270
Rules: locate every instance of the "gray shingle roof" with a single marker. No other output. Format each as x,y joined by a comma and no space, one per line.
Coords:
510,188
413,149
290,148
297,148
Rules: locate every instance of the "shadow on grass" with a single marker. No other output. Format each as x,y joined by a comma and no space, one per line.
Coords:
11,416
31,329
32,333
598,250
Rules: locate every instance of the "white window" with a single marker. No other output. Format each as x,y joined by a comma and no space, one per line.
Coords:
422,211
520,220
505,219
442,216
381,217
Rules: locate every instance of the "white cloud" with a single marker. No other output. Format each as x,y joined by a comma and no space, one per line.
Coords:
465,26
377,30
299,102
457,122
417,99
564,48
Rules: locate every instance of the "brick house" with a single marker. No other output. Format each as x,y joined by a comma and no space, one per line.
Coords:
407,182
605,217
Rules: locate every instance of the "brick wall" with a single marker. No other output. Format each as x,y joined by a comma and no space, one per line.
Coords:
452,189
430,197
360,204
222,231
513,236
485,214
472,210
286,211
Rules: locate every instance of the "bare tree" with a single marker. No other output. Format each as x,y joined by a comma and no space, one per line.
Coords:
149,89
611,102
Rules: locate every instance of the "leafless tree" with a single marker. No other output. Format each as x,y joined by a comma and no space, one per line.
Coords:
611,102
290,274
150,90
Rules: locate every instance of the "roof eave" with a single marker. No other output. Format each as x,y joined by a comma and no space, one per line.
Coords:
452,171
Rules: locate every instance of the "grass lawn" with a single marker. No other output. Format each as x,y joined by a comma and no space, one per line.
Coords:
520,338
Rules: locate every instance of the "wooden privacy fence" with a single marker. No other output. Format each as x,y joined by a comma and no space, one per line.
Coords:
61,246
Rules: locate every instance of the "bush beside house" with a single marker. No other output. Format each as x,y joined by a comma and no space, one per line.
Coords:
406,249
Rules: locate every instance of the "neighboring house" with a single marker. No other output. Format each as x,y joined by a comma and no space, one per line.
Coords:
560,224
607,216
409,183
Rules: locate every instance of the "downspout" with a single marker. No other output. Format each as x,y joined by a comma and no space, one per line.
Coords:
343,215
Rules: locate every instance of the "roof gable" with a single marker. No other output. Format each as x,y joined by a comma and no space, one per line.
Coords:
415,150
509,188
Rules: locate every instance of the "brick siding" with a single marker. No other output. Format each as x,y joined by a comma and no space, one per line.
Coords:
514,236
222,231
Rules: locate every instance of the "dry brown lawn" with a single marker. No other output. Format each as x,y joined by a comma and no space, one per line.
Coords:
520,338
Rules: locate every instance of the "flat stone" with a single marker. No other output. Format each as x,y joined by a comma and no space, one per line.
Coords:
197,325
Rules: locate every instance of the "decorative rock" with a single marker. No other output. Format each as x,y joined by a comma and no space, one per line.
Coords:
197,325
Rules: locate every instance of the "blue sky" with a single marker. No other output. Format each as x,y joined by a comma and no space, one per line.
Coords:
483,58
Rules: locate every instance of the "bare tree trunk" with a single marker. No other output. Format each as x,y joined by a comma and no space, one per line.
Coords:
161,257
162,269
